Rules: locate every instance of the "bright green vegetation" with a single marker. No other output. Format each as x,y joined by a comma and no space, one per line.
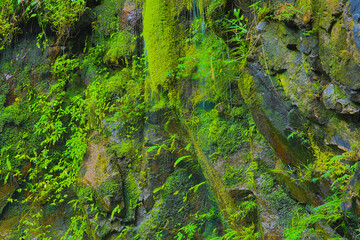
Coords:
164,41
60,15
142,130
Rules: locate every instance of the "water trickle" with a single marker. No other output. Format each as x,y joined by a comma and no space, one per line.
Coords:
194,12
229,80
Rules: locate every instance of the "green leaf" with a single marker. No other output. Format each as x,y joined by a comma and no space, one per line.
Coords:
166,126
158,189
180,159
196,187
151,148
6,178
116,210
8,164
180,209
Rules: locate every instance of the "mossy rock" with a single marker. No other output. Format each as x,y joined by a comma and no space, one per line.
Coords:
111,194
272,115
132,196
341,134
335,99
165,41
177,205
278,198
336,54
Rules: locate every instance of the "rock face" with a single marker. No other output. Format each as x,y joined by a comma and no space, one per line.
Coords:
311,81
171,150
308,82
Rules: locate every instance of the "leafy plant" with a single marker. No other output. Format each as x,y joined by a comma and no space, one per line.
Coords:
62,15
262,10
187,232
313,224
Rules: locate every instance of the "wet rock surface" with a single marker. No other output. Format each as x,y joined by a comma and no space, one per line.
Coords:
302,80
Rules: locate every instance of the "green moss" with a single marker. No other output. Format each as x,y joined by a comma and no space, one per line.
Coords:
246,85
85,194
165,41
147,228
14,114
234,175
219,137
132,196
109,188
278,199
126,149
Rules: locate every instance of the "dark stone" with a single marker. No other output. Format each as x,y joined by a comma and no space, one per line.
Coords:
354,95
351,206
157,117
295,118
292,46
346,206
241,194
271,115
340,143
147,198
206,105
334,98
308,44
354,184
161,166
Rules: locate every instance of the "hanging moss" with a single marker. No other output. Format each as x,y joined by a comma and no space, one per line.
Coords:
164,40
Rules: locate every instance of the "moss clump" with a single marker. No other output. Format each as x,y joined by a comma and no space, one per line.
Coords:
164,40
278,199
14,114
109,188
234,175
246,85
220,137
132,196
127,149
85,194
